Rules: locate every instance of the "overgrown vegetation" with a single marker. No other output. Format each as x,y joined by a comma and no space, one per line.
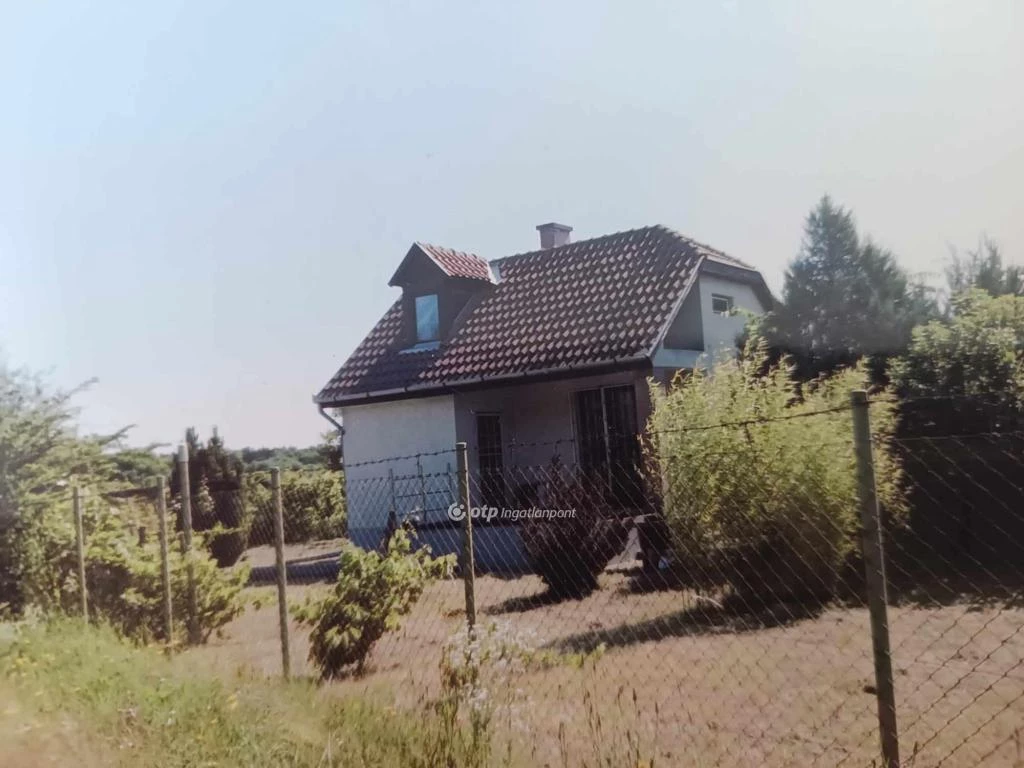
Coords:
370,596
313,505
125,587
768,507
978,352
214,474
569,552
43,457
129,706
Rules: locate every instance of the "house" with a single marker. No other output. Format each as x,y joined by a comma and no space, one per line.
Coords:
529,358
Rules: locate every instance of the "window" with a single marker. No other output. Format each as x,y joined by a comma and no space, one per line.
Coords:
606,434
491,459
721,305
426,318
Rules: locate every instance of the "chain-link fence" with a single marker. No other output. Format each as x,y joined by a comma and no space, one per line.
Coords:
805,591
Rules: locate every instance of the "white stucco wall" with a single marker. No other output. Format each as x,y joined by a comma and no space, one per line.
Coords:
377,433
719,331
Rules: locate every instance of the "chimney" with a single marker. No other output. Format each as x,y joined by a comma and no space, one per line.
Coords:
553,235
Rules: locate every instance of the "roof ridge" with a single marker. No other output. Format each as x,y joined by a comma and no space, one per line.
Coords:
565,247
711,251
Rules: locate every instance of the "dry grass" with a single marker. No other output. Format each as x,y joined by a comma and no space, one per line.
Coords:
711,687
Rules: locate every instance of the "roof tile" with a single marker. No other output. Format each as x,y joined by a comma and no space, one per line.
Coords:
604,300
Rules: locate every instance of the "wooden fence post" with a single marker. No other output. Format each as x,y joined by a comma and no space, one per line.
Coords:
76,505
281,572
165,565
874,571
194,637
468,560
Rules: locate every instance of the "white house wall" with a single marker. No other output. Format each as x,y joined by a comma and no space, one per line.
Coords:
379,432
719,331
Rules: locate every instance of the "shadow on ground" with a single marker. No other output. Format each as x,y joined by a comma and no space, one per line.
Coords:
706,618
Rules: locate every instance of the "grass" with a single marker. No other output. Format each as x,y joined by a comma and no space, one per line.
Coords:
74,694
712,686
620,678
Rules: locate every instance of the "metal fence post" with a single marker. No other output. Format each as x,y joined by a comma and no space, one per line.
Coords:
280,570
874,571
186,538
165,565
468,560
76,505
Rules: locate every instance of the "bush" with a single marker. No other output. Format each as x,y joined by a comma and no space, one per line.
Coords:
568,553
975,359
768,507
123,577
369,598
313,507
126,588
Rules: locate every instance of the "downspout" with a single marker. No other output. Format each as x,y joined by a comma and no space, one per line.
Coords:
336,424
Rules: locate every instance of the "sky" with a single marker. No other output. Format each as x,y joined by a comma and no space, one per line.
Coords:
201,203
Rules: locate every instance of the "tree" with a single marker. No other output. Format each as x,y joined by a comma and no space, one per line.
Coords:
970,365
41,457
219,472
983,268
844,299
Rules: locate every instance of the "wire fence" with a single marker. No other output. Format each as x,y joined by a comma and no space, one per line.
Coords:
804,591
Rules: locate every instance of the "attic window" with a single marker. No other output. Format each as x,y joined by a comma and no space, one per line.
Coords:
427,318
721,305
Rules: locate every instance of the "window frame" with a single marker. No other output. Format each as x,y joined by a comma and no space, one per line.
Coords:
730,303
490,461
418,338
621,450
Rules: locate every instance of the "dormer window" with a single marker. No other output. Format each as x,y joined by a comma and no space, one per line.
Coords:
721,304
427,319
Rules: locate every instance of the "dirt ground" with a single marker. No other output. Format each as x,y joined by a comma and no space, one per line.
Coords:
672,676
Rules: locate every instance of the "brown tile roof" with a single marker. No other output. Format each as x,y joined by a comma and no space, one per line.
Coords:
457,263
602,301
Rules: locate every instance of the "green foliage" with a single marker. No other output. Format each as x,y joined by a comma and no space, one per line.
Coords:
284,458
41,457
126,590
569,552
313,505
983,269
138,466
843,299
979,351
369,598
133,706
220,472
770,508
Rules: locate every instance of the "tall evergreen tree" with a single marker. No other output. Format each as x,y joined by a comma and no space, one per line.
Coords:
215,473
844,298
983,268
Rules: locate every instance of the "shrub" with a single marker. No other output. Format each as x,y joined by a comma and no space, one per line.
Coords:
568,553
370,596
313,507
768,507
976,358
126,588
122,576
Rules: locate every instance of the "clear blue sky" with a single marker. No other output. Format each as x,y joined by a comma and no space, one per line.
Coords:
201,203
